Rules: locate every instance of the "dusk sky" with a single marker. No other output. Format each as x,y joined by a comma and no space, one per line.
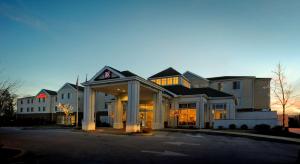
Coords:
47,43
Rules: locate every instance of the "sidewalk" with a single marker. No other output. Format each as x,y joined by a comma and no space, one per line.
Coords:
238,134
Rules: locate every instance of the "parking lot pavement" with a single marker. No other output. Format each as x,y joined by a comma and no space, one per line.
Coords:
65,145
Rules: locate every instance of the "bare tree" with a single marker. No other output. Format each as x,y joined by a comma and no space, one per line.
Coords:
283,91
8,97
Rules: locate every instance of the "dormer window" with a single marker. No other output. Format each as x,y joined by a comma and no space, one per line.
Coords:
166,81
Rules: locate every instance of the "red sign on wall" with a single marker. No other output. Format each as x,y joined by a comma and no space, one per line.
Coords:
41,95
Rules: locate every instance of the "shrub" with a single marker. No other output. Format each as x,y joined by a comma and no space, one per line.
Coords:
277,128
220,127
262,127
244,127
232,126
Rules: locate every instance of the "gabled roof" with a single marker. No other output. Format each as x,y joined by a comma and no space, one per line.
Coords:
187,73
229,77
75,87
53,93
167,72
210,92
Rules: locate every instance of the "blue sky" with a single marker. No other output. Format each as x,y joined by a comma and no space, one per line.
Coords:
47,43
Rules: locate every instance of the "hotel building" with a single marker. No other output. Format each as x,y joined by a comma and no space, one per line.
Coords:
127,101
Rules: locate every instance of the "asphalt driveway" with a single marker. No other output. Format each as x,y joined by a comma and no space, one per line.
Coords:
69,146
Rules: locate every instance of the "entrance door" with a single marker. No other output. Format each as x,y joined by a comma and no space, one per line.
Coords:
146,118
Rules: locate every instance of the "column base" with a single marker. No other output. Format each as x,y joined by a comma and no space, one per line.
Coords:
132,128
118,125
88,126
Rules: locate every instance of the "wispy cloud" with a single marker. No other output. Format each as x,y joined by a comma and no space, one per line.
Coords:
19,14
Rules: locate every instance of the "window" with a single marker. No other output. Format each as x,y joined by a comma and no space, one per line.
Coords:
186,83
39,109
158,81
21,101
188,105
21,109
169,81
44,99
31,109
27,109
163,81
236,85
219,111
55,98
105,106
69,95
44,108
55,108
39,99
31,101
28,101
220,86
175,80
62,96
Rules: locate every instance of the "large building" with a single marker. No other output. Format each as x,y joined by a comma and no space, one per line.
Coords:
124,100
172,99
43,106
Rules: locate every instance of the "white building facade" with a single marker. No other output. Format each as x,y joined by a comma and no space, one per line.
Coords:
170,99
43,106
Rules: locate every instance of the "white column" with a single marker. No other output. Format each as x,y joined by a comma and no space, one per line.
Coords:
132,113
230,107
198,114
88,122
118,113
201,113
158,111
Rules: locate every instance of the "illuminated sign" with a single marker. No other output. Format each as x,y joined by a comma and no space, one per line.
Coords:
41,95
107,74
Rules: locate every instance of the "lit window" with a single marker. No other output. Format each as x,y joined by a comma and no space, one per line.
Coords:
158,81
163,81
219,111
154,81
169,81
175,80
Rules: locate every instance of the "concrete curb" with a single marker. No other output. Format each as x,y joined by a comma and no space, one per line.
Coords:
237,134
22,152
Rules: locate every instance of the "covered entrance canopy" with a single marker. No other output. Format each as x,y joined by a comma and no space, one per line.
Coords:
143,100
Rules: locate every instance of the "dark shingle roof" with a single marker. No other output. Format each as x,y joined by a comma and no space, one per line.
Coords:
229,77
210,92
79,87
124,73
128,74
50,92
167,72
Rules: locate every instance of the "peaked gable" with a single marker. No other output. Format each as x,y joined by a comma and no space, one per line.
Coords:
107,73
